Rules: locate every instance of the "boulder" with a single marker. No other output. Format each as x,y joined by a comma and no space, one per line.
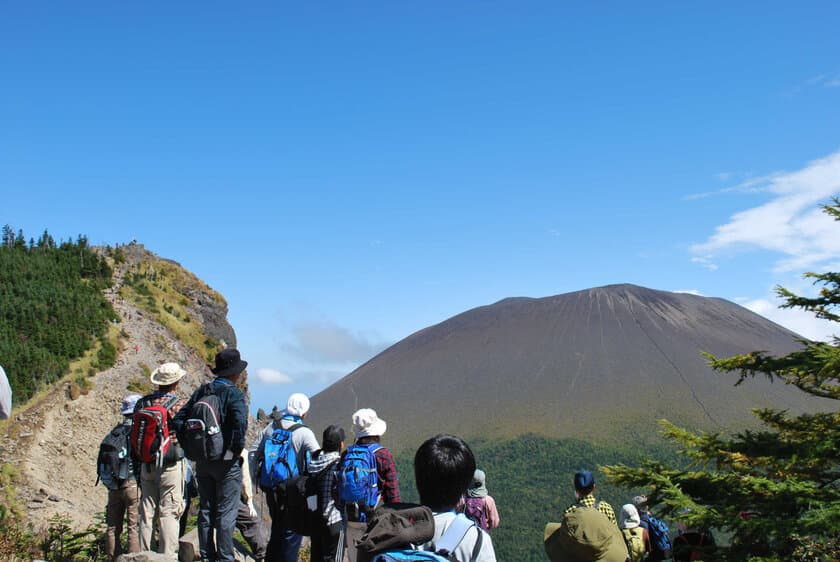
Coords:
143,557
188,549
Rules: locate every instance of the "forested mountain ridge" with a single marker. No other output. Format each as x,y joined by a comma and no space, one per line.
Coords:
158,312
52,308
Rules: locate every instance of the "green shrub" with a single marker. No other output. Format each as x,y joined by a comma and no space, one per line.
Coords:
62,544
107,354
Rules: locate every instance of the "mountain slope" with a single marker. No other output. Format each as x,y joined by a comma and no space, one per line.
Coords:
53,442
602,363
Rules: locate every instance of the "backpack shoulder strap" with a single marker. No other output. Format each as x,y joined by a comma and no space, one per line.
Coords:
454,534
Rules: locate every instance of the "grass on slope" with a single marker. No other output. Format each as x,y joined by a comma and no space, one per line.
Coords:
163,290
531,480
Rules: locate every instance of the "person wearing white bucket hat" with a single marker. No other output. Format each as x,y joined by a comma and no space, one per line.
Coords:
369,429
284,544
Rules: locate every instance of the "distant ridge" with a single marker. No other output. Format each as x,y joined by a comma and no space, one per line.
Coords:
602,363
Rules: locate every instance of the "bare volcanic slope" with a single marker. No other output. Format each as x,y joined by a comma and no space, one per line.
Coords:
603,364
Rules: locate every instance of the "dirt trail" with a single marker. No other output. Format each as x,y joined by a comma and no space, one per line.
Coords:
54,443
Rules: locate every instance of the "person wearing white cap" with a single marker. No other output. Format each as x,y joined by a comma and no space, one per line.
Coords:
635,536
162,487
284,544
369,429
123,495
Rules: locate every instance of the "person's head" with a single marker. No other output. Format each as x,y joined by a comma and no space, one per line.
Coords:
229,364
629,517
641,503
584,483
443,469
166,376
128,404
333,439
478,486
297,405
367,424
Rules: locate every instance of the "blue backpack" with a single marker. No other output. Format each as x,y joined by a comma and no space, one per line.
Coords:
279,462
357,479
658,531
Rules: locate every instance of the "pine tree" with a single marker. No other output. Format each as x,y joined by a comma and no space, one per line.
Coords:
775,489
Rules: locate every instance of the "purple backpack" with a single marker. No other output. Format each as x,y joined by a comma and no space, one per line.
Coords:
474,509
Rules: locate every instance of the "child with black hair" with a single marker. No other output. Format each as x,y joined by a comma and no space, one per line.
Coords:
324,464
443,469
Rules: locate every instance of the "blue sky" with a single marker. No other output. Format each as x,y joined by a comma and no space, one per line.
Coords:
348,173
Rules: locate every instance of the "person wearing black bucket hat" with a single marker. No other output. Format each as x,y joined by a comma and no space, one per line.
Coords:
228,363
220,481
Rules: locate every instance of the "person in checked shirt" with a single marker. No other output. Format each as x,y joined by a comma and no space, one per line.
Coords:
369,428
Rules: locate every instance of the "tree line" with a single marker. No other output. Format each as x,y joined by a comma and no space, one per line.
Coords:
52,309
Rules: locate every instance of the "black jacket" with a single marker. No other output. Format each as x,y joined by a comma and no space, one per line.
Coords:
232,410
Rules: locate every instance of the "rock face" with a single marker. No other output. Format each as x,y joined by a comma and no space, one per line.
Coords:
53,444
603,364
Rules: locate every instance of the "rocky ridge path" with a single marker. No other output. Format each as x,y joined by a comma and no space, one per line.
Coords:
54,443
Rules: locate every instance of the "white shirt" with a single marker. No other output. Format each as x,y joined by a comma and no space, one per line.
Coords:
463,553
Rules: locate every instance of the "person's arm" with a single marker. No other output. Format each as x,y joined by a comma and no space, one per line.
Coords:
646,538
180,417
237,413
389,479
492,512
611,515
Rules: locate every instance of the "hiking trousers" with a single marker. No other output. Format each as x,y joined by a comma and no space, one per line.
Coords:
123,505
219,490
161,493
284,544
253,531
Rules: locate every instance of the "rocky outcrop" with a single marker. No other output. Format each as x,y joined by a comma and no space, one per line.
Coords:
52,443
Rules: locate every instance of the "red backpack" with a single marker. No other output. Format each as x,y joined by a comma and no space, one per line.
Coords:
150,438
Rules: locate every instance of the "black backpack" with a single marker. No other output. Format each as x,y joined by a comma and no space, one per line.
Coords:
113,464
201,435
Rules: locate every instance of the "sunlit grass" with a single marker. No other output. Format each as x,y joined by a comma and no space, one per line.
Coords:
162,289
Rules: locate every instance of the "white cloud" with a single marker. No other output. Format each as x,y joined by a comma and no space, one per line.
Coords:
790,223
325,342
705,262
802,322
273,376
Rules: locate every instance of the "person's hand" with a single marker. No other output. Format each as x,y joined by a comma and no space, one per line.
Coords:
251,509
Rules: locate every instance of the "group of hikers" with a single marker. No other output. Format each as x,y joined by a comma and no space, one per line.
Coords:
344,495
589,532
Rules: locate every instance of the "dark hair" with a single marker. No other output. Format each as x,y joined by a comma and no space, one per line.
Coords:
167,387
333,437
443,469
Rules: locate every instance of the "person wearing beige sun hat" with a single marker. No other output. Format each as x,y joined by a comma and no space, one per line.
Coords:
162,484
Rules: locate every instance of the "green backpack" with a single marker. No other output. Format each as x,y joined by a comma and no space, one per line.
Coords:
584,535
635,540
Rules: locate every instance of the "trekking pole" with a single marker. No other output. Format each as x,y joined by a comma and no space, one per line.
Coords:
339,551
